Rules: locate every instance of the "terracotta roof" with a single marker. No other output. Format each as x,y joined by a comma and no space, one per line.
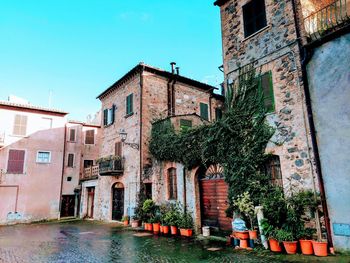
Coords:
220,2
141,66
32,107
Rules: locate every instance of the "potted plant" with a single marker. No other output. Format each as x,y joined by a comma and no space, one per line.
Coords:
186,224
270,232
125,220
288,239
305,241
148,209
156,224
135,222
172,217
164,228
245,206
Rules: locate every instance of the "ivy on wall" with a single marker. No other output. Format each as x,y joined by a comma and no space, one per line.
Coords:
237,142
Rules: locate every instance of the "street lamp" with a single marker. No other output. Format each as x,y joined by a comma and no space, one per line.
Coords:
123,135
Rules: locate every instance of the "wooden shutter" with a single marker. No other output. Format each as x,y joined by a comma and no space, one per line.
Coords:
105,117
71,135
20,125
218,113
172,184
118,149
90,137
204,111
129,104
113,114
267,89
70,160
15,162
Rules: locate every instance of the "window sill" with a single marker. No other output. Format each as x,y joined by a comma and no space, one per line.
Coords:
43,162
128,115
256,33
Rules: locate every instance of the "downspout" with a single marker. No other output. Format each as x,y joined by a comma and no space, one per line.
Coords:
184,189
63,162
141,97
304,62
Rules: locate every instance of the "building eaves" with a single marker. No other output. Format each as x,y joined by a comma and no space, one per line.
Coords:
159,72
84,123
220,2
32,107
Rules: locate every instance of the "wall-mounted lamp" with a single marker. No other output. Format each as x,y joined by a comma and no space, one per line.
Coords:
123,135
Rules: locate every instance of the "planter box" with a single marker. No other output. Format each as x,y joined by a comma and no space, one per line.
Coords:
185,232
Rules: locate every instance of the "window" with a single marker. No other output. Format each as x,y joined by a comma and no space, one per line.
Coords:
69,178
185,125
172,184
46,123
90,137
108,116
118,149
254,16
204,111
273,170
72,135
218,114
43,157
267,89
70,160
15,164
88,163
20,125
129,104
148,190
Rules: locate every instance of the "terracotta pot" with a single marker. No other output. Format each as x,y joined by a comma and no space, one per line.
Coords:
320,248
274,245
173,230
185,232
156,228
291,246
126,222
145,226
165,230
161,229
306,247
243,243
241,234
253,234
150,227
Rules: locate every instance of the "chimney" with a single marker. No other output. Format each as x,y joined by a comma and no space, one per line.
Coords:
173,67
178,70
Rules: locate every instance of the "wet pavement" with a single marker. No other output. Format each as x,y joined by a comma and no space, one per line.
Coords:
97,242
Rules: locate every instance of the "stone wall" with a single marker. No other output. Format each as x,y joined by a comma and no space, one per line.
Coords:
329,84
274,48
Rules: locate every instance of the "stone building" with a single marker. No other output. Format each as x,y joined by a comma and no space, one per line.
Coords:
31,162
276,37
81,150
130,106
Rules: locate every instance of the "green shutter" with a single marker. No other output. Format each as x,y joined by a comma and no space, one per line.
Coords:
185,125
267,89
129,104
204,111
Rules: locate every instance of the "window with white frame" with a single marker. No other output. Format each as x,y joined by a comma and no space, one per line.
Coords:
43,157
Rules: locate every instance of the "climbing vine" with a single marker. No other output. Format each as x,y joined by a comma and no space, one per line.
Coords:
237,141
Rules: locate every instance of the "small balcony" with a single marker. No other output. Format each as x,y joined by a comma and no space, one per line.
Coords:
330,18
90,173
111,167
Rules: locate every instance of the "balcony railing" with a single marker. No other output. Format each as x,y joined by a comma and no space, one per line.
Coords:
90,173
111,167
327,19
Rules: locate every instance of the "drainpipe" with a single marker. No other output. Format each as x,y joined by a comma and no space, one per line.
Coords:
185,187
63,162
304,62
141,97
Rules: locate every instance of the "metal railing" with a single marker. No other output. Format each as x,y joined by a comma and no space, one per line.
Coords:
111,167
326,19
90,172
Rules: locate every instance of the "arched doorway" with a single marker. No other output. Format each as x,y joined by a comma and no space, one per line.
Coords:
213,197
117,201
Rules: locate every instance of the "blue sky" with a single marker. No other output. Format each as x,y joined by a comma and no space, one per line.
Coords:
76,49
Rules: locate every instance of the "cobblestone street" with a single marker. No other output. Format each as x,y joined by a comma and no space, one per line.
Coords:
96,242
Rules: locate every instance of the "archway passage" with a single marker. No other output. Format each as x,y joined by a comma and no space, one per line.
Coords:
213,193
117,201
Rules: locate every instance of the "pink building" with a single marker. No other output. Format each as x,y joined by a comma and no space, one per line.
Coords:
31,162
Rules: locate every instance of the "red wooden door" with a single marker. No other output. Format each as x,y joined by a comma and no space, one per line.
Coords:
214,203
